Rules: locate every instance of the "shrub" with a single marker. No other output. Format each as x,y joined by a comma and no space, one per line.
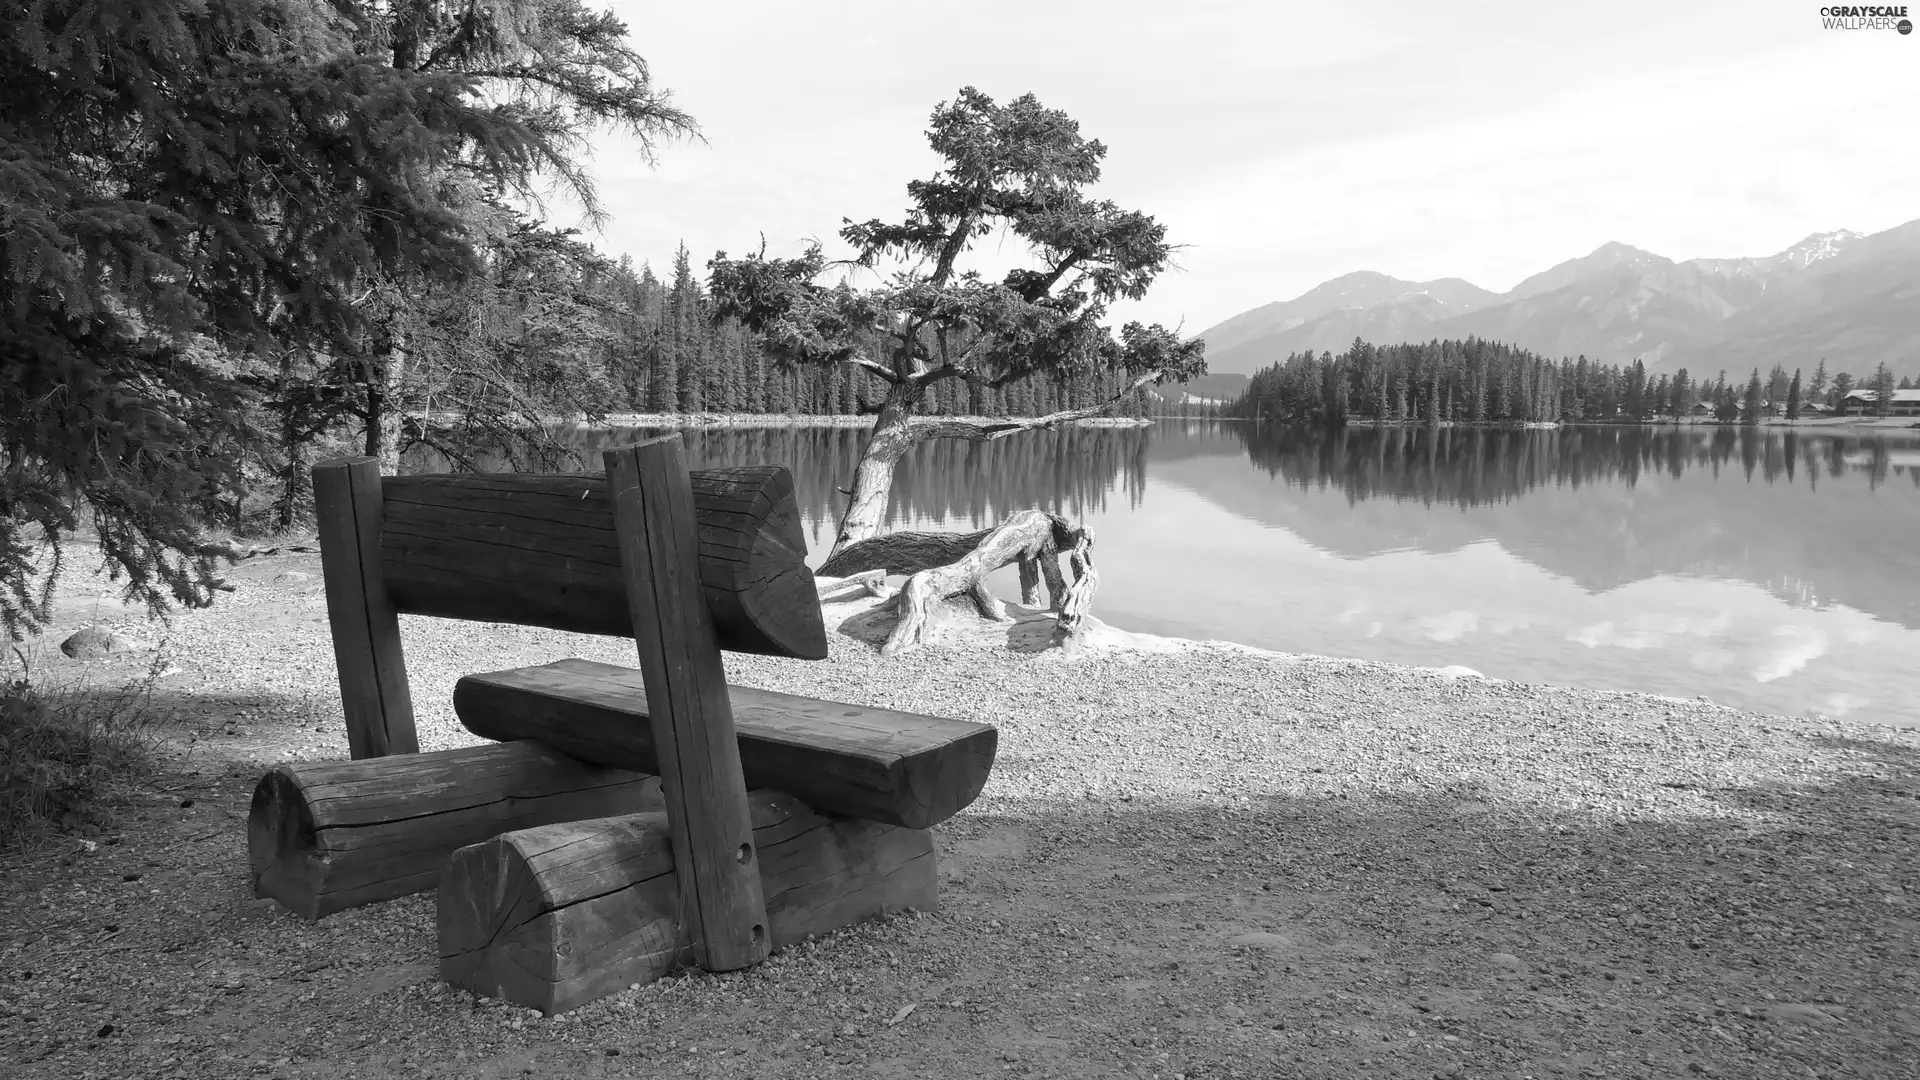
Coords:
62,748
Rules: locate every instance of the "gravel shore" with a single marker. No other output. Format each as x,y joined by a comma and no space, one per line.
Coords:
1191,861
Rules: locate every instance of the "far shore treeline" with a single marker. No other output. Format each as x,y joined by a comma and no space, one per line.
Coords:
1485,381
657,349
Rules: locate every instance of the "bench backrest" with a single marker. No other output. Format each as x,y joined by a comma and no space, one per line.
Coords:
541,551
538,551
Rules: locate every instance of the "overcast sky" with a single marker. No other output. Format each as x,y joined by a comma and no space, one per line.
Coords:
1288,143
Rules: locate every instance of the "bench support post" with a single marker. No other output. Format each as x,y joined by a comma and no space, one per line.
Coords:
692,718
366,629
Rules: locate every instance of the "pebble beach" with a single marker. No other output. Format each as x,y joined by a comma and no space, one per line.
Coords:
1192,860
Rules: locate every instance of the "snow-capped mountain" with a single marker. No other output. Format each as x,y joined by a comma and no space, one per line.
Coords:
1849,298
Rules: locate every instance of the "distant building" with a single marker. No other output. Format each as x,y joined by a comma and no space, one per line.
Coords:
1863,403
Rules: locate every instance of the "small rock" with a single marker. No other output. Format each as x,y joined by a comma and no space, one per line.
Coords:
94,642
1505,960
292,577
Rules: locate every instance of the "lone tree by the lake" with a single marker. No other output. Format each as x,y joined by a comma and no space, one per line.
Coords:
1018,168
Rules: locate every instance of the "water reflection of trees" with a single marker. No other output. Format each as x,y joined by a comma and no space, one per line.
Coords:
1474,466
1073,471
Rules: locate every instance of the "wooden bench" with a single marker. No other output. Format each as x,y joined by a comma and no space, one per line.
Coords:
625,821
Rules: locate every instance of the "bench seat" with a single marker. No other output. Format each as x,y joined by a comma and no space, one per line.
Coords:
855,761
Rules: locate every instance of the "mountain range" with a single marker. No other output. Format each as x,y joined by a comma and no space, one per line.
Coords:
1849,298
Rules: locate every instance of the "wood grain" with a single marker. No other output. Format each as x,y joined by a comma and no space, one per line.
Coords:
689,711
541,551
374,696
893,767
555,917
329,836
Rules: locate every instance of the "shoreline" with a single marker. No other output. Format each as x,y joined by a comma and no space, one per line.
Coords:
1869,425
705,420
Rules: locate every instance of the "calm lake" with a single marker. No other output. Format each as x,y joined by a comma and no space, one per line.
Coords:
1765,569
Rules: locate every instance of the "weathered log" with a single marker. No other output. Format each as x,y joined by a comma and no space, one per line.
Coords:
690,712
892,767
1030,536
555,917
325,837
375,699
909,553
902,553
541,551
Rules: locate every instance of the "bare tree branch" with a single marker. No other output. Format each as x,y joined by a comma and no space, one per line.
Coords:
920,429
871,366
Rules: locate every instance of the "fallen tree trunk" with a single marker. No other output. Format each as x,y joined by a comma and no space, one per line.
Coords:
902,553
1033,538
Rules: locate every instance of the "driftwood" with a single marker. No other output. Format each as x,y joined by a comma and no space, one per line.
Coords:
867,582
902,553
555,917
893,767
942,565
326,837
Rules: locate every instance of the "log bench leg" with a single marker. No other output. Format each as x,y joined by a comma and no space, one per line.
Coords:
324,837
554,917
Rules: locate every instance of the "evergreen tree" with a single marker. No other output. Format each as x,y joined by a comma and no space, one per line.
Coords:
685,337
1019,166
1776,387
1882,391
1750,409
1793,397
210,207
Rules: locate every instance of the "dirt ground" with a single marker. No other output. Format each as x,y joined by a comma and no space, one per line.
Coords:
1192,861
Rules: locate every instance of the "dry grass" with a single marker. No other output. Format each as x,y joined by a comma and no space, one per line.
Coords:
63,746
